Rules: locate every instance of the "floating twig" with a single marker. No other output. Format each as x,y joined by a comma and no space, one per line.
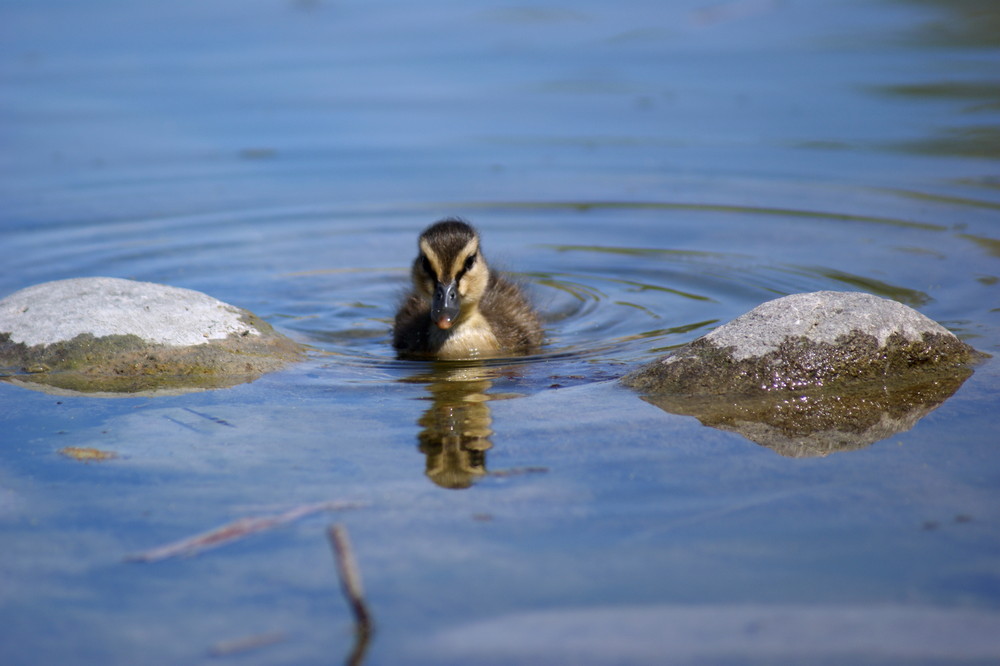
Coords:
350,576
350,583
233,531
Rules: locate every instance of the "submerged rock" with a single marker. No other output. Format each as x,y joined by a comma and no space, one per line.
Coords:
122,336
808,374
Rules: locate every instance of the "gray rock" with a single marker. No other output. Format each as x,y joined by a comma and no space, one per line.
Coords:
806,341
822,317
109,334
808,374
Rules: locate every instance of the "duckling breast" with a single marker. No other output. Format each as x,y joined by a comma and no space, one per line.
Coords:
473,337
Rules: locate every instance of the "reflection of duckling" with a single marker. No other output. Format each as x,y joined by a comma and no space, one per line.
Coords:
457,426
458,307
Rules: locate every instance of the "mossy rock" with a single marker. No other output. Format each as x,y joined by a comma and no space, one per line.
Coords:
108,335
808,374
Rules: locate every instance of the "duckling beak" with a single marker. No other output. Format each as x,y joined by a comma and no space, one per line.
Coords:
445,304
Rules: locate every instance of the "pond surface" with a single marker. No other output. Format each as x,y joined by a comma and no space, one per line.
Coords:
650,170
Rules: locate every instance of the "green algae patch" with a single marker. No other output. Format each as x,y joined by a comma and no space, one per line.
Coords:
128,364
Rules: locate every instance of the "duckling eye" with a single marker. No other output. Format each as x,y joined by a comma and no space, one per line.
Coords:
470,261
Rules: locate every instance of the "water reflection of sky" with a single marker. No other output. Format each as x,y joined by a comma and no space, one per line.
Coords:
181,107
650,171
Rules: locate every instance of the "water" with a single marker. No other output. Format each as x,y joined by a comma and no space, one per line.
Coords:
649,171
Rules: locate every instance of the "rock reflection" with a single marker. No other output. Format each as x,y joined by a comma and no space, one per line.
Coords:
456,428
819,422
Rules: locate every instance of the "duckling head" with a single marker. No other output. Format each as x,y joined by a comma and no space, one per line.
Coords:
450,271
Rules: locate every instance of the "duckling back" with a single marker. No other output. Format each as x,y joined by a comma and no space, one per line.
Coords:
510,316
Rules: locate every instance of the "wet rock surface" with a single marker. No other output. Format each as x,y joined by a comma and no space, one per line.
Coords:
121,336
819,422
810,374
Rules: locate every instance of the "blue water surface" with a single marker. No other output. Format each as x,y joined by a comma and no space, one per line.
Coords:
650,170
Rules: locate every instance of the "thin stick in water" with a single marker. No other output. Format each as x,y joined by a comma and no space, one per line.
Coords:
350,577
237,529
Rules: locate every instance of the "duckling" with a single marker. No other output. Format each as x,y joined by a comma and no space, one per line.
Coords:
458,307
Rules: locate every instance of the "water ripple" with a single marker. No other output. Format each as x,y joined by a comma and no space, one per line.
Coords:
332,277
